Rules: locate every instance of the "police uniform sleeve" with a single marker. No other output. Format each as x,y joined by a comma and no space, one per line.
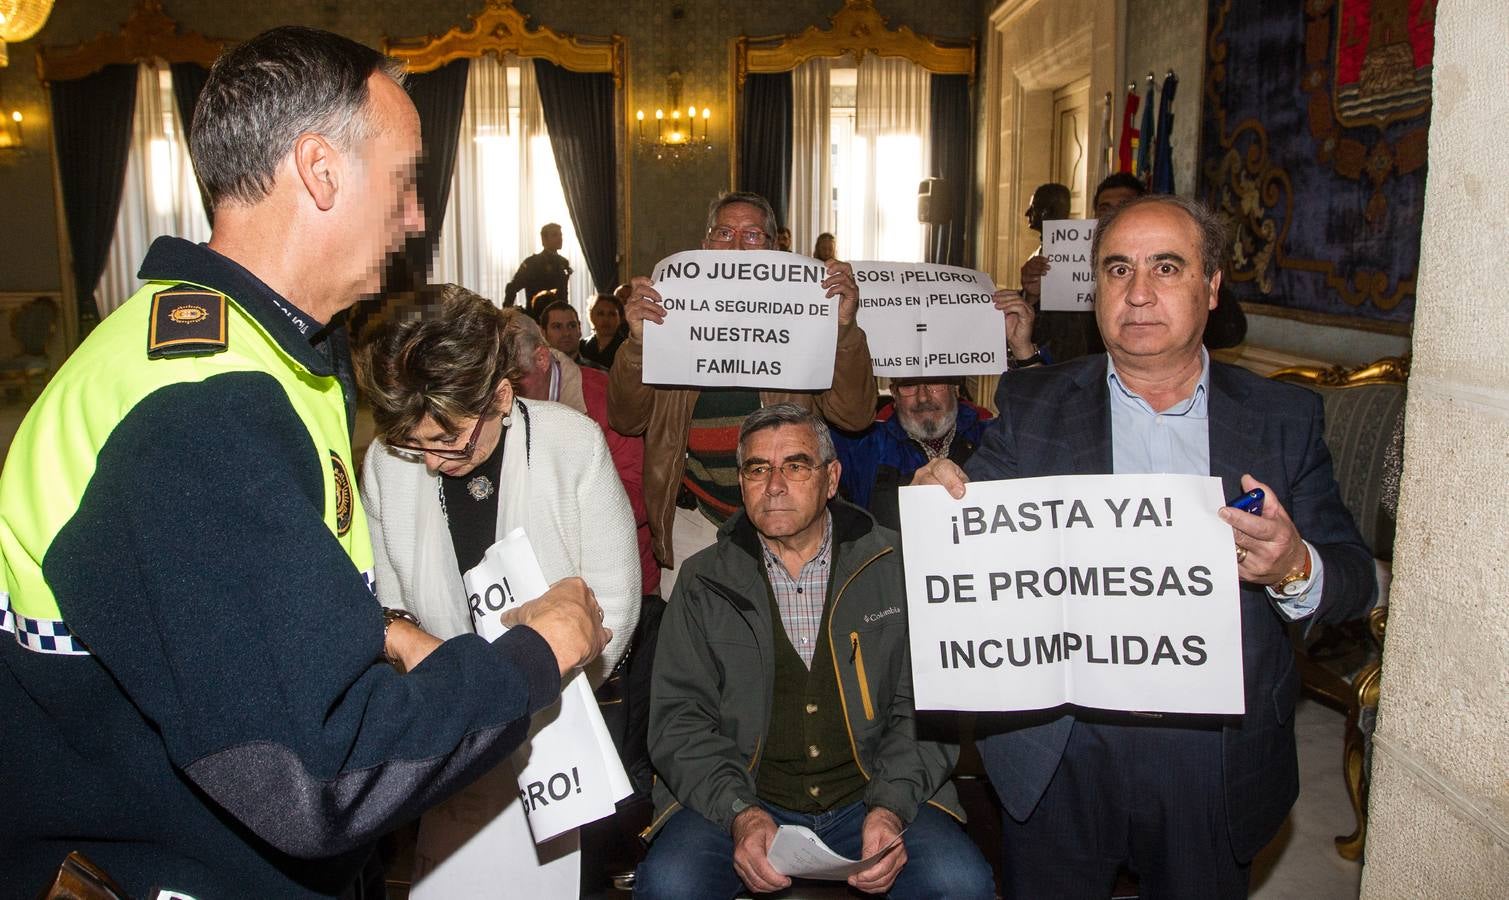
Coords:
200,573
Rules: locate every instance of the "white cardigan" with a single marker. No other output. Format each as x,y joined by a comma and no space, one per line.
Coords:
564,492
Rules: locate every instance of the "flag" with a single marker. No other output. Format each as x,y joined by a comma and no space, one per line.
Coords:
1144,166
1128,145
1163,156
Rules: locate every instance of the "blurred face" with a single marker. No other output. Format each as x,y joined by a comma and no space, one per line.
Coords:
928,410
779,505
783,239
1152,296
563,331
551,239
384,204
824,249
605,319
1112,198
739,226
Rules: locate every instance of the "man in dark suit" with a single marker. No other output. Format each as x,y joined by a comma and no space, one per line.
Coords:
1185,801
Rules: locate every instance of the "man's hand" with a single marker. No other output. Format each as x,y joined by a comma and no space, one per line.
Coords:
753,831
840,283
1273,545
568,618
945,472
408,644
1019,318
643,303
880,828
1033,271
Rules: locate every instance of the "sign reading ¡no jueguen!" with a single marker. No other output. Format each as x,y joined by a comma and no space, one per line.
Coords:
1105,591
742,318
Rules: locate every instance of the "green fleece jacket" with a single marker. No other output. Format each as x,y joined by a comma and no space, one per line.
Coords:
715,669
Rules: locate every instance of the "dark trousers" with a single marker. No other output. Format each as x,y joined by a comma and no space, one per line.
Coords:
1148,795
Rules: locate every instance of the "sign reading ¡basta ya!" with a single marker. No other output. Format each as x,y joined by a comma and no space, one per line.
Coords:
1105,591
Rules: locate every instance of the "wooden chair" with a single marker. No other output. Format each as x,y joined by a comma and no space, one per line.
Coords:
1364,409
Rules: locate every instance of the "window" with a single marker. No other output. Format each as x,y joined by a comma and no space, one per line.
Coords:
505,188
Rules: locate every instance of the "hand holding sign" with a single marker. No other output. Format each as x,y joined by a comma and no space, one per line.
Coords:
568,618
643,304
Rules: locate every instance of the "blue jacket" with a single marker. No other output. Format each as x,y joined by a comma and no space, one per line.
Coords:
882,457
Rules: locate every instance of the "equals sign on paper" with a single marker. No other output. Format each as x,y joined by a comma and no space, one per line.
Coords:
921,326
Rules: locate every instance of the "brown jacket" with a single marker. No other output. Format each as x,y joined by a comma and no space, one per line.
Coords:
664,416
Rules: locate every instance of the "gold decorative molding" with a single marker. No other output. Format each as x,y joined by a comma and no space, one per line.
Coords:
1388,370
148,34
500,28
855,30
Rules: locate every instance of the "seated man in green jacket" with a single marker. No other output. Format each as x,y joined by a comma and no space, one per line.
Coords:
782,694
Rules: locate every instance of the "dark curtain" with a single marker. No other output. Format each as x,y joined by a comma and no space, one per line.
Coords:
188,81
765,140
579,116
951,140
439,97
92,125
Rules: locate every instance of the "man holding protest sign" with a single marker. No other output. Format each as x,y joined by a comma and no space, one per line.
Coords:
689,432
1187,801
782,695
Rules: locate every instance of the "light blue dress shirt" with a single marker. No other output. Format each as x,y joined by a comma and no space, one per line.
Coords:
1177,442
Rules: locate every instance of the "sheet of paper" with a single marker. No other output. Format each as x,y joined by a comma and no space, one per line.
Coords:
1104,591
800,853
569,772
747,319
1070,282
927,319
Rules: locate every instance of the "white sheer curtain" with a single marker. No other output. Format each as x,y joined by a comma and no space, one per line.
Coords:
160,195
811,203
888,157
505,187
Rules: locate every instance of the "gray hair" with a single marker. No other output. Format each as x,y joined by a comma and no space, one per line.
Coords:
1213,232
729,198
262,94
787,414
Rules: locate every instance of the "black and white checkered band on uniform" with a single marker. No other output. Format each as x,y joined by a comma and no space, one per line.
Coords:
39,635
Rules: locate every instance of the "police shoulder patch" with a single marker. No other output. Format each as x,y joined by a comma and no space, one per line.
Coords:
343,498
186,321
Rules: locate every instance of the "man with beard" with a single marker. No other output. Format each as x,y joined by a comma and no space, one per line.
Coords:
927,421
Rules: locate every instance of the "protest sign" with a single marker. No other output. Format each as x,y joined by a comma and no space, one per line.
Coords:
569,771
742,318
566,775
1106,591
1070,282
925,319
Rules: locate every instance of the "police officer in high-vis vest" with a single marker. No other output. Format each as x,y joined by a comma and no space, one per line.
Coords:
192,670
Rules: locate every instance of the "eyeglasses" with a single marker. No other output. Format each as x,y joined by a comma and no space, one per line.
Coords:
914,388
750,237
464,452
791,469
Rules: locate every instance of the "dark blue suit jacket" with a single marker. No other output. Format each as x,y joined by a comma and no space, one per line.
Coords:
1056,420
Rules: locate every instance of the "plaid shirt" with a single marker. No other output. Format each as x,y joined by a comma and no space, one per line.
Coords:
800,599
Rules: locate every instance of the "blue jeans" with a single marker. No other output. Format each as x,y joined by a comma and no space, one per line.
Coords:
693,858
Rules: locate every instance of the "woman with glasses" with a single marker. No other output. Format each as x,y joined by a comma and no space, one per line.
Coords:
459,461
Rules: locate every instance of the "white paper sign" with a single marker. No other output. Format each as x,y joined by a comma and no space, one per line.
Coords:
1070,282
1105,591
742,318
569,772
798,852
926,319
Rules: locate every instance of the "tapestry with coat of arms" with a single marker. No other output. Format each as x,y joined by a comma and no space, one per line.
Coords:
1313,142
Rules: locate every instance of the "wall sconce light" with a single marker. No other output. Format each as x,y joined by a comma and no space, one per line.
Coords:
11,137
676,137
